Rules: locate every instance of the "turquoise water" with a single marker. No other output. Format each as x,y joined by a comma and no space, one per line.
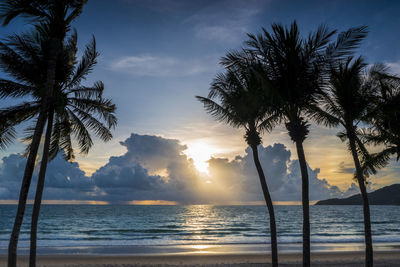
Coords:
119,225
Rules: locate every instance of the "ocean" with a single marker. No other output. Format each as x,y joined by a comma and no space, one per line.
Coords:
125,225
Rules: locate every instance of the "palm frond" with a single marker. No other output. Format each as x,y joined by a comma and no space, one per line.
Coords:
346,43
88,61
218,112
28,136
323,117
271,121
342,136
65,141
94,92
79,129
233,58
15,65
11,9
318,40
77,6
54,148
377,161
7,136
28,45
103,107
13,89
14,115
90,122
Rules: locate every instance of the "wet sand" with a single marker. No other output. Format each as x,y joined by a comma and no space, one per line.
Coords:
343,259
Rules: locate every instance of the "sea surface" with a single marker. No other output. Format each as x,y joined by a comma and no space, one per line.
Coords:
124,225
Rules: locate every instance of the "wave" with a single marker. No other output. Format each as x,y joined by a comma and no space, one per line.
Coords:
176,225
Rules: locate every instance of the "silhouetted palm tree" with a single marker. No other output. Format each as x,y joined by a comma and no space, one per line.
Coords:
57,15
297,69
385,119
76,109
349,103
237,97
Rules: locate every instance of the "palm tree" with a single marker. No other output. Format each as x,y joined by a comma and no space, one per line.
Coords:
57,15
241,98
349,103
297,69
386,118
76,108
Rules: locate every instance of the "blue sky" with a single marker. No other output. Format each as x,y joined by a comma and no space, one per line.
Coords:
156,55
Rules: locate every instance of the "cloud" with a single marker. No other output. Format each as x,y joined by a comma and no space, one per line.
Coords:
346,168
394,67
283,176
163,66
225,21
134,175
11,172
64,180
156,168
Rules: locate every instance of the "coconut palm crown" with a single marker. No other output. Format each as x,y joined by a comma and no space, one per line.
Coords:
77,108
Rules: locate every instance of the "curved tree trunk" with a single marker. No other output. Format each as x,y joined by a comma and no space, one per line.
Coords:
367,218
39,190
30,164
23,195
268,201
305,203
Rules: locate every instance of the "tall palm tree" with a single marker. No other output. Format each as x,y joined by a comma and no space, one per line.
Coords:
57,15
349,103
237,97
297,68
76,109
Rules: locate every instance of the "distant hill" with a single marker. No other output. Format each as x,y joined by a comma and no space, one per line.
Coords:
389,195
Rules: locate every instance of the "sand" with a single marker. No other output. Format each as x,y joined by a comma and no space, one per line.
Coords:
342,259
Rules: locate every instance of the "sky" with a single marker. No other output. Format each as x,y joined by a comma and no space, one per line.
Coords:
156,56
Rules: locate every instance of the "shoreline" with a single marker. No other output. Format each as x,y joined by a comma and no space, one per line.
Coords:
344,259
202,248
201,255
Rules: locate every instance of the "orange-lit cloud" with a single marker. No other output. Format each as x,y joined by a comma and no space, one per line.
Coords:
152,202
57,202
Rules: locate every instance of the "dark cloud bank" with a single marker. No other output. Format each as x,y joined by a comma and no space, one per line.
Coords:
155,168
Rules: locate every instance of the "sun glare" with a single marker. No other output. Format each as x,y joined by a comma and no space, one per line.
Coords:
200,152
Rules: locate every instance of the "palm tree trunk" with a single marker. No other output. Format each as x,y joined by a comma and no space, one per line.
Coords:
30,164
305,203
39,190
23,195
268,201
367,218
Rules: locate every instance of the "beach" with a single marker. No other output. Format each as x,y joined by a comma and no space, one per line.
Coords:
204,256
208,260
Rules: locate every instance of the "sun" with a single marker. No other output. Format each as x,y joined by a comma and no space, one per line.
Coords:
200,152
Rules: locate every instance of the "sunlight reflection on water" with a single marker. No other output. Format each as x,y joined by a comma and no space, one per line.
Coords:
113,225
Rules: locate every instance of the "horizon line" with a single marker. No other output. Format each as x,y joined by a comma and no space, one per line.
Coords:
151,203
